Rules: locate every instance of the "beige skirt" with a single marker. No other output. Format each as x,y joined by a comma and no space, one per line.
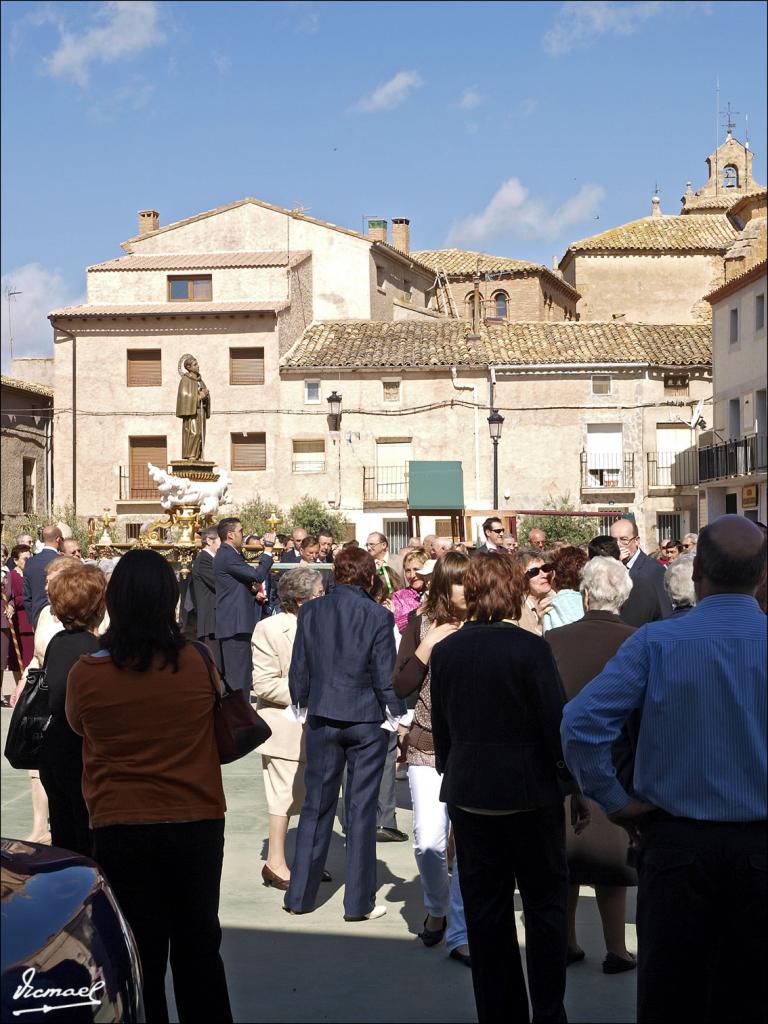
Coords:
283,785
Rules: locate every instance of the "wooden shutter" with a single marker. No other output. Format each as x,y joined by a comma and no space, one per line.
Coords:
143,451
144,368
249,451
246,366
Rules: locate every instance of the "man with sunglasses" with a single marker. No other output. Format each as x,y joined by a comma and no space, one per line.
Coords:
494,531
648,600
689,543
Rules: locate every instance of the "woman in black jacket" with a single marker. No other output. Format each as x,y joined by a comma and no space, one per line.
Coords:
496,706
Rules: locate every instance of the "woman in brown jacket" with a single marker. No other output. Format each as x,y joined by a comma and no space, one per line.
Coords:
598,856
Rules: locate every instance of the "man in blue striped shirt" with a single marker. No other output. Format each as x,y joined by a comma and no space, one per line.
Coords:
699,806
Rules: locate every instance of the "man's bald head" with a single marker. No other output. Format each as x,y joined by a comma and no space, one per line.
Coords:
52,536
730,557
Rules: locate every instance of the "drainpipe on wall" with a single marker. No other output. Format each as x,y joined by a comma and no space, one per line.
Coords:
473,389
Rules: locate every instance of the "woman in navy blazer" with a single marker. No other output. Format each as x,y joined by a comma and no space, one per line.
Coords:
497,701
341,674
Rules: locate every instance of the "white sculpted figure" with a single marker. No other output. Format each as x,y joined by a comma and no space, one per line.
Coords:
176,491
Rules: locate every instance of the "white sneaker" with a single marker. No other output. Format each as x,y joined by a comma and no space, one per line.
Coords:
372,915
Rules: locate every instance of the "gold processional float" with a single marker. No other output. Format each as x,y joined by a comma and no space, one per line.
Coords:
190,493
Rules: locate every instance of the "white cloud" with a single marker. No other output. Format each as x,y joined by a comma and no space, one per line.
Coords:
581,22
471,98
309,21
512,212
222,62
135,96
527,107
390,94
41,291
124,29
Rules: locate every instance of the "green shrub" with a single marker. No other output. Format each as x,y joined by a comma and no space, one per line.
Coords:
312,515
574,530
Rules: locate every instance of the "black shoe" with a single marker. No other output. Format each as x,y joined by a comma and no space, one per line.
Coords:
430,938
617,964
325,877
574,955
463,958
390,835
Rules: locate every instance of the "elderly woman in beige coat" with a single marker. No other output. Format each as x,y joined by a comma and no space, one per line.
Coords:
282,756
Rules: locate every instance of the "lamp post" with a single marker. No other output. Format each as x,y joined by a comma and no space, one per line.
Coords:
495,423
334,408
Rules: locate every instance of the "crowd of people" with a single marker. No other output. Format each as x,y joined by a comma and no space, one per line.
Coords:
565,716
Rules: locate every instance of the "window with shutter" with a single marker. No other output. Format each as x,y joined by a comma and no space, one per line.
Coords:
391,390
309,456
249,451
198,288
144,368
143,451
601,385
246,366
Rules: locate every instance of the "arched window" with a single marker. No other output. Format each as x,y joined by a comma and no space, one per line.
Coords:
500,305
470,304
730,177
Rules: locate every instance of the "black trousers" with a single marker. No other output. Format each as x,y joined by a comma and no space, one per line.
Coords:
67,813
166,879
495,853
238,665
332,745
701,903
215,648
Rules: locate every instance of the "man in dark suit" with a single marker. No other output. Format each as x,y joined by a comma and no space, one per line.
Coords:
346,691
294,555
237,610
35,597
648,600
203,594
494,531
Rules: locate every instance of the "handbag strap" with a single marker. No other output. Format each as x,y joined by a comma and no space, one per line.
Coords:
205,654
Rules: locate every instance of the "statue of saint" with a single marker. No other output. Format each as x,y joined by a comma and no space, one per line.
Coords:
193,406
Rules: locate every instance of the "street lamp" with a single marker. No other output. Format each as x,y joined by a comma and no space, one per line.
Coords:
334,408
495,423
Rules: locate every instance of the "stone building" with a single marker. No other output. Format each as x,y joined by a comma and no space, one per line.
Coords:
26,438
509,289
659,269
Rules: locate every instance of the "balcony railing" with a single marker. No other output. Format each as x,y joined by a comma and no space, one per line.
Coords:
130,491
673,469
607,470
742,456
385,483
300,466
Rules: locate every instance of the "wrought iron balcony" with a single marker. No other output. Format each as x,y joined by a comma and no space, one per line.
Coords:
385,483
742,456
133,489
607,470
673,469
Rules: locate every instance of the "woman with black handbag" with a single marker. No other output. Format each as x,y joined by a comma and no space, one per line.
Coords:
144,705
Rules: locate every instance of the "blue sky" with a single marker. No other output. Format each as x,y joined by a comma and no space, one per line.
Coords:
512,128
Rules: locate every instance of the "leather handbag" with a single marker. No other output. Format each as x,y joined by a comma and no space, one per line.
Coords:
29,721
238,727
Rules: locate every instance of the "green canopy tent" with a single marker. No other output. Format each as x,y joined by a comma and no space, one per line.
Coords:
435,489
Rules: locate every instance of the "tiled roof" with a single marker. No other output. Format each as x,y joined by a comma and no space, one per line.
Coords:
25,385
202,261
170,309
663,234
367,344
755,273
722,201
464,261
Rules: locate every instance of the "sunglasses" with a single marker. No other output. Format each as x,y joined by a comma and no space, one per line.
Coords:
687,547
536,569
497,530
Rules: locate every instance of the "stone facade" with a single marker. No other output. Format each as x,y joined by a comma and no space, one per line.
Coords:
26,439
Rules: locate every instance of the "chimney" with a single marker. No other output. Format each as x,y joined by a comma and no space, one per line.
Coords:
655,207
149,220
377,230
401,234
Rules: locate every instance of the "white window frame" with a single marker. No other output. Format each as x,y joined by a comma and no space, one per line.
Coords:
307,399
601,376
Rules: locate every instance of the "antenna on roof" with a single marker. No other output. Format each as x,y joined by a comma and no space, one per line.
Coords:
730,124
9,294
746,131
656,189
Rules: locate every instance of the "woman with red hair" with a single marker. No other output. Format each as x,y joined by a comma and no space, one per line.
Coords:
497,701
